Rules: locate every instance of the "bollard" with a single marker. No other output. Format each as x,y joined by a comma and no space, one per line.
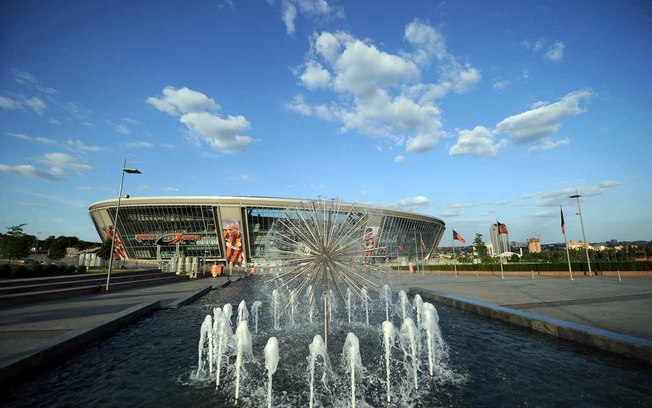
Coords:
619,277
532,274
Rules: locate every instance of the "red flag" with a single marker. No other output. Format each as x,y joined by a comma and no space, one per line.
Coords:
458,237
502,228
563,230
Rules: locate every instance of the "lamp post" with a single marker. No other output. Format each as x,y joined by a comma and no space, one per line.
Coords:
115,220
586,243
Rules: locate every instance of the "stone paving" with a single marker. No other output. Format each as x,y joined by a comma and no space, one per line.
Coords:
24,328
599,302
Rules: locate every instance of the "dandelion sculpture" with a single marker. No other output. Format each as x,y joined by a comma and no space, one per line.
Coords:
321,246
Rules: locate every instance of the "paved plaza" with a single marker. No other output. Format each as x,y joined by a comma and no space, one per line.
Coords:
599,302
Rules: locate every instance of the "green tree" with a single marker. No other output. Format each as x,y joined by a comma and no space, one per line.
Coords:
479,248
15,243
58,247
105,250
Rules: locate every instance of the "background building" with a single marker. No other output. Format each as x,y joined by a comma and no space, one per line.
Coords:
534,245
224,229
499,242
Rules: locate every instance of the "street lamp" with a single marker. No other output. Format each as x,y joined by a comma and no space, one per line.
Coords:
586,243
115,221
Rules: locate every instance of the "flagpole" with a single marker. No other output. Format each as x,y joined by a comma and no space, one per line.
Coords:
423,271
500,255
454,258
563,230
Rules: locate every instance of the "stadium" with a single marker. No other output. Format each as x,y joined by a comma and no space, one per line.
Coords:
231,230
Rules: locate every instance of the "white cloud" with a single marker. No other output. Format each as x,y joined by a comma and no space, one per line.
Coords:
176,102
36,104
399,159
144,187
541,122
555,53
197,113
28,79
47,141
315,76
27,170
242,177
122,129
222,134
61,162
455,209
561,197
289,15
20,136
500,85
547,144
140,145
429,42
380,94
7,103
417,201
478,142
80,146
171,189
308,9
535,45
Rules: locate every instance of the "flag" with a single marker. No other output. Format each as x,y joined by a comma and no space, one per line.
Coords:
458,237
502,228
423,246
563,229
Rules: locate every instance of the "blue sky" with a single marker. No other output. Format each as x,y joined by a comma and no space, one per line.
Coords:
471,111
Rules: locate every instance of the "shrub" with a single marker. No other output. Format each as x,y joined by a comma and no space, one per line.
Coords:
19,271
81,269
69,269
36,270
50,269
5,271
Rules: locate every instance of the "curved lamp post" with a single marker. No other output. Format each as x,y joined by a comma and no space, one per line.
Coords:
115,221
586,243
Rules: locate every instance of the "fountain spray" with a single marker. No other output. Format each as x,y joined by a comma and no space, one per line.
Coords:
271,363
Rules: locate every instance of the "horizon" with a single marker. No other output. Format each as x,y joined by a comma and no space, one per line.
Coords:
470,112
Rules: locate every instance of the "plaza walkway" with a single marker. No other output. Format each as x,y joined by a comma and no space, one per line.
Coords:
599,302
34,333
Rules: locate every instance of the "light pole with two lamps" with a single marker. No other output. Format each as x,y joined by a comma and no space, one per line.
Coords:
115,221
586,243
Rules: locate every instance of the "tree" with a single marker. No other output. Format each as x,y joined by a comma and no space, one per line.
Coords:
15,243
105,250
479,248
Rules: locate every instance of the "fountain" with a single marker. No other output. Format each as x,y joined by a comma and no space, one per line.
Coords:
271,363
352,361
389,337
318,253
255,307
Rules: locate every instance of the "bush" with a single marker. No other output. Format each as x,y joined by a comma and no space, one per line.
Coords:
69,269
36,270
5,271
19,271
81,269
50,269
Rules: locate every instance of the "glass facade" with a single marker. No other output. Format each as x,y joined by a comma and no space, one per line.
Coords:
162,231
139,229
